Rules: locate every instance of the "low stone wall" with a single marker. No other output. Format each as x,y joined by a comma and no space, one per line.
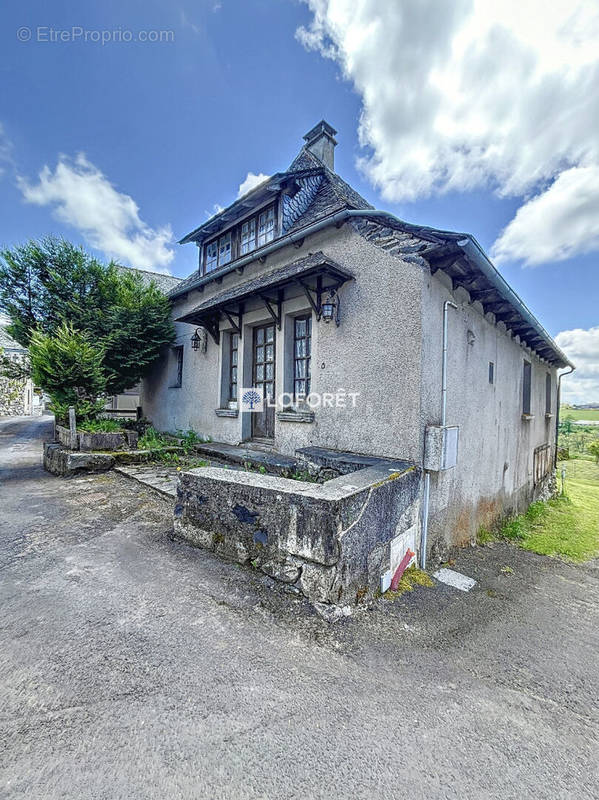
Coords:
127,440
61,461
332,541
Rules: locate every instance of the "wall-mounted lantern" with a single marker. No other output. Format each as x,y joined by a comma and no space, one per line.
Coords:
198,340
329,308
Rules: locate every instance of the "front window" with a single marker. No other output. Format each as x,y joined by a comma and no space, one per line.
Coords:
176,367
302,350
526,386
233,364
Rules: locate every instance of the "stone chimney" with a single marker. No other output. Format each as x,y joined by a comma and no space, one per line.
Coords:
321,141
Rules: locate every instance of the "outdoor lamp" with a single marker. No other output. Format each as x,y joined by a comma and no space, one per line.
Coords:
196,340
329,308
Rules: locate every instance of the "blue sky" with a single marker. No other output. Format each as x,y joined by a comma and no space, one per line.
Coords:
140,141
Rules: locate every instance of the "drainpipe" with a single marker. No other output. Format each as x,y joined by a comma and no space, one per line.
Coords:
427,476
558,399
424,531
446,306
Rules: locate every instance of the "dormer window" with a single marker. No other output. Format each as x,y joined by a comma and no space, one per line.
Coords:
266,226
248,236
224,249
244,238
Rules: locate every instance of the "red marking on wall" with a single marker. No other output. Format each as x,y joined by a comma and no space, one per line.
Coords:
401,569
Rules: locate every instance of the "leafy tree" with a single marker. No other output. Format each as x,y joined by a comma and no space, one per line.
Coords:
68,365
593,449
47,283
44,283
137,327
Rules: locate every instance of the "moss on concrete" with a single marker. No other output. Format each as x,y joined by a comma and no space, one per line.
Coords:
411,578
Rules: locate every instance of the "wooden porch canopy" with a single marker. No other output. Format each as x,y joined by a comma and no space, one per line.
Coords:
313,274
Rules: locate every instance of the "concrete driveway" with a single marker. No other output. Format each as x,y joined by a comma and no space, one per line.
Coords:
135,667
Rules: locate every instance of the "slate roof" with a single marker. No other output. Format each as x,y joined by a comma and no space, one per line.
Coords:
462,258
333,195
317,193
165,283
328,193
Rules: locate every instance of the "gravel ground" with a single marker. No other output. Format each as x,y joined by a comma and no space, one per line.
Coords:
132,666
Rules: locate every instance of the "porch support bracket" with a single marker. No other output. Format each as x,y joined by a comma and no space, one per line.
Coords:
274,307
309,291
237,326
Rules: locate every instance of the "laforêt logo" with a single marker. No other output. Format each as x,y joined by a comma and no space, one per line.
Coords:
252,399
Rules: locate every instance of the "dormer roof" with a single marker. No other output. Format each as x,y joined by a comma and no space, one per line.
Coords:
321,192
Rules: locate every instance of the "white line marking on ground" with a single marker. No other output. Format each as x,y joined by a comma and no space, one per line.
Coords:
455,579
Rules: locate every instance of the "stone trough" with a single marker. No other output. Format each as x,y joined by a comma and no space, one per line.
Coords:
331,541
90,442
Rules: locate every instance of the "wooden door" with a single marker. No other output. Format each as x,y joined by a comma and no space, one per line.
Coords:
263,377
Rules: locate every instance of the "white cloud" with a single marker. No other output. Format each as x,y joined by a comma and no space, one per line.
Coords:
556,224
582,348
469,94
109,220
251,181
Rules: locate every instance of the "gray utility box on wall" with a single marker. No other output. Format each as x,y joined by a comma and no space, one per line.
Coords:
441,447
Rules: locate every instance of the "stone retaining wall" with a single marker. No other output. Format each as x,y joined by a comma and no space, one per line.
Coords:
331,541
127,440
12,397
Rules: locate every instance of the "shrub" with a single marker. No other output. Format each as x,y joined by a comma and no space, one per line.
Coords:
593,449
68,366
105,425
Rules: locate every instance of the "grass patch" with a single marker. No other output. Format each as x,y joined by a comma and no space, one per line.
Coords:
484,536
567,526
100,426
152,440
189,439
412,577
591,414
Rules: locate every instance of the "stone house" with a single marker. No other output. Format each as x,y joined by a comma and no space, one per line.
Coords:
17,397
373,336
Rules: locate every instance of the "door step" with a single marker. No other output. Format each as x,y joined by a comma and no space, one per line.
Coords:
262,444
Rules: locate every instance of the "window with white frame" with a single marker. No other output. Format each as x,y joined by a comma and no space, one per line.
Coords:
233,366
248,236
266,226
240,240
302,351
526,387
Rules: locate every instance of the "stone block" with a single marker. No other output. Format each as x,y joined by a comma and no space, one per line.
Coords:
61,461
